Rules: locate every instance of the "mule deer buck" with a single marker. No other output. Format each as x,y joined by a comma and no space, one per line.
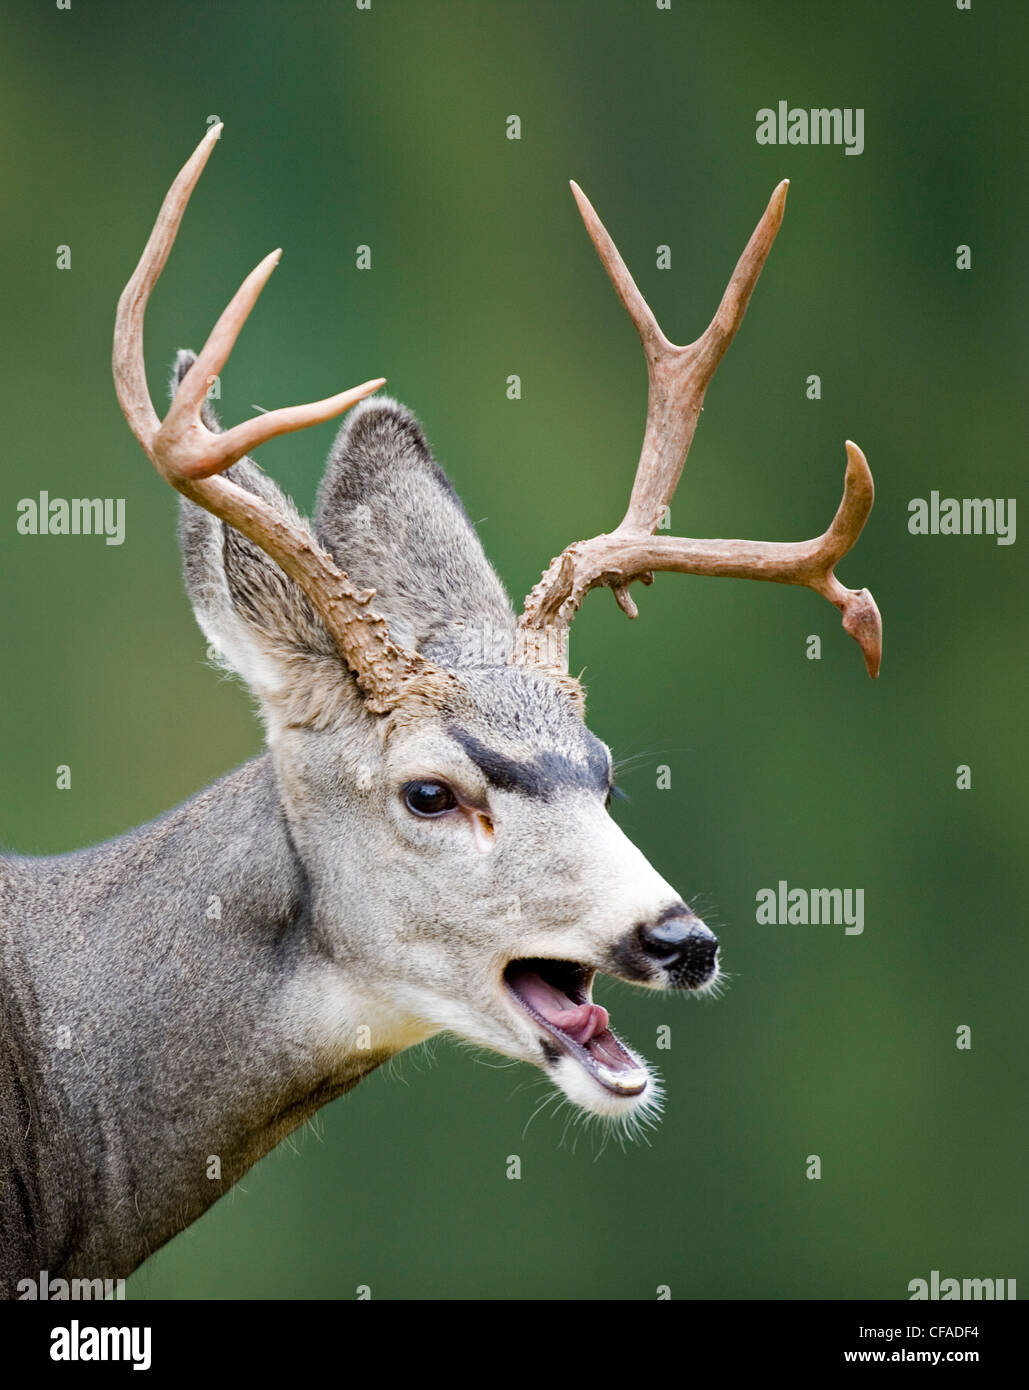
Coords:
424,847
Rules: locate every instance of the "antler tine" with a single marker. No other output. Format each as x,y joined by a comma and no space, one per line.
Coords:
622,556
654,341
188,455
129,366
679,377
185,451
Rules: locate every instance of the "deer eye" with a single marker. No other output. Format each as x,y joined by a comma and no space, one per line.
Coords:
429,798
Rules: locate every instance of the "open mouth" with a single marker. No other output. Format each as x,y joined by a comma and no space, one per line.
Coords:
556,994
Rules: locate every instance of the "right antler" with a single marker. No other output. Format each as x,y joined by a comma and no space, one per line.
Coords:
679,377
190,456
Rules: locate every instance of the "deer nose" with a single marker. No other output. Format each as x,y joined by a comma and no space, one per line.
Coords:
686,948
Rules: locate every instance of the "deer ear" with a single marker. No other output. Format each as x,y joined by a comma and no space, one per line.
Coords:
260,623
390,518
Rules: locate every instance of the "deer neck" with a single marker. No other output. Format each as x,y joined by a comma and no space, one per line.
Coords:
152,1029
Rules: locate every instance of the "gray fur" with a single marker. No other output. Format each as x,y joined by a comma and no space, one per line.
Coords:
260,622
388,514
184,996
179,1041
545,774
225,571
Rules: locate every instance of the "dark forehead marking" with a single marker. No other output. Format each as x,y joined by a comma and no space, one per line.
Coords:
542,775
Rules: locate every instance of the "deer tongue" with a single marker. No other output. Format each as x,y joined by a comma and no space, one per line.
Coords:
555,994
580,1022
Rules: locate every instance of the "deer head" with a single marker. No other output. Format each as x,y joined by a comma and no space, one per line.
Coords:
445,797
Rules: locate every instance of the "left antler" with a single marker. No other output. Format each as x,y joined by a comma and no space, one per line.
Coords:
679,377
192,457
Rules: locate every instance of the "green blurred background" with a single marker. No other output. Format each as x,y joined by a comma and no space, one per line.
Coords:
386,127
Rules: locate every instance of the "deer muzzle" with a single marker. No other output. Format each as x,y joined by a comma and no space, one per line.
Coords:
678,944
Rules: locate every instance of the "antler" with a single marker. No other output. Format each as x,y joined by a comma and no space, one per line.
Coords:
679,377
189,455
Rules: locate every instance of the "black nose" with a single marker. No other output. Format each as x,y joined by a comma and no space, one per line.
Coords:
686,948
